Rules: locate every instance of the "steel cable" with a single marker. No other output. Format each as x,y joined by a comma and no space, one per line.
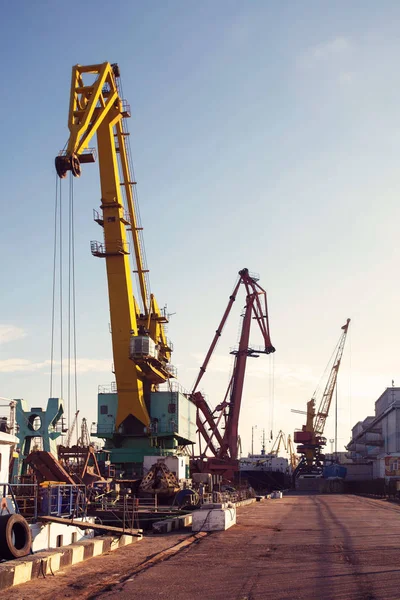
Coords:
71,303
61,298
54,288
74,294
69,307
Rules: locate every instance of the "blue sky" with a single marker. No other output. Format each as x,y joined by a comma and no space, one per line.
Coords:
264,136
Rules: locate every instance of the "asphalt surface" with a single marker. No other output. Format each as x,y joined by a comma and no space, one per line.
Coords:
301,547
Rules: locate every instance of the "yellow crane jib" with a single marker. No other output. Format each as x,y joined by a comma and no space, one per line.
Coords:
141,350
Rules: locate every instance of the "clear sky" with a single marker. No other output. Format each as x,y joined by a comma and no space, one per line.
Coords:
265,135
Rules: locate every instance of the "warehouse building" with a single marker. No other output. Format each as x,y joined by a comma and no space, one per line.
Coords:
377,438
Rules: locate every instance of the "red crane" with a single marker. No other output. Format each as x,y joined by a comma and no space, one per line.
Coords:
311,438
218,428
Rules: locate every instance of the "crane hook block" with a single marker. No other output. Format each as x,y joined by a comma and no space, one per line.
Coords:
66,163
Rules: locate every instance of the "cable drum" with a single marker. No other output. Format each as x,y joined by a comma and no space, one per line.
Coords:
15,536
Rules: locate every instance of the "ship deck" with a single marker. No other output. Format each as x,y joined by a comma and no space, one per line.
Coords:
305,546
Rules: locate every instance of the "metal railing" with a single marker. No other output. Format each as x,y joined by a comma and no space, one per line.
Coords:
170,344
126,108
172,386
163,426
99,428
63,500
172,370
108,388
31,500
99,217
255,276
100,249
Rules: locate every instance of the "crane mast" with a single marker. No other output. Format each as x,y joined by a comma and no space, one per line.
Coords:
140,348
311,438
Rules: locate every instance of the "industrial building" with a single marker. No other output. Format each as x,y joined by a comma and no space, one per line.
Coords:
376,440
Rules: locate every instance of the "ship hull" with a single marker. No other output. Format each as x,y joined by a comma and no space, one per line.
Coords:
263,481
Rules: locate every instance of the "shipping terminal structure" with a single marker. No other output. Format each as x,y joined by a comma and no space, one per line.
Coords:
175,451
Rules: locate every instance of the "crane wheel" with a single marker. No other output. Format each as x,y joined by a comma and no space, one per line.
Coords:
67,163
75,166
15,536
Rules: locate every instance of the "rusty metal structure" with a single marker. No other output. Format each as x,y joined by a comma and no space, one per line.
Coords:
81,463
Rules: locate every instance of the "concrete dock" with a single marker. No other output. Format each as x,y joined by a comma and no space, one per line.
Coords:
309,547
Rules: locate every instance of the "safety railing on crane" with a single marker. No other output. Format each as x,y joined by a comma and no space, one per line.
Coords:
170,344
126,108
172,370
116,247
102,428
254,276
98,217
89,155
252,350
172,386
108,388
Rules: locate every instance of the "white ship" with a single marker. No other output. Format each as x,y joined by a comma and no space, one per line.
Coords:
266,472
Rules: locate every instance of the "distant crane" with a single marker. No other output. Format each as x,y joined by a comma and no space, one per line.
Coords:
280,440
218,428
311,438
294,459
71,430
84,439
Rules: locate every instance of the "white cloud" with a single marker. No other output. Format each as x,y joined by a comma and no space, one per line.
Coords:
327,51
336,46
14,365
9,333
84,365
345,78
290,374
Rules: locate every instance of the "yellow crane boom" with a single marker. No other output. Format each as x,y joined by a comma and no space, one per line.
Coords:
140,348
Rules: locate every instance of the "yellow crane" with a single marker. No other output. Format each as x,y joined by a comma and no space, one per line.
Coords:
140,348
294,459
280,440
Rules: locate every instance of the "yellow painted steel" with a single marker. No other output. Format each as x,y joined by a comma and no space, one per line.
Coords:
96,108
